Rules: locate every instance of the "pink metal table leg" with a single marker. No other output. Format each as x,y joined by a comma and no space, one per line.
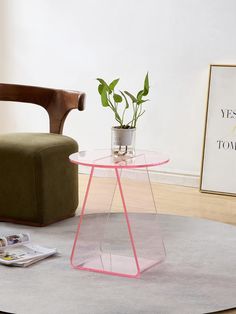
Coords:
117,243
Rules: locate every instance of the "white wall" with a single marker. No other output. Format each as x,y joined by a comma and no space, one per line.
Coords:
68,43
5,113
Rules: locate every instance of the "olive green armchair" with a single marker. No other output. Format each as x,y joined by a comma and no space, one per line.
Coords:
38,184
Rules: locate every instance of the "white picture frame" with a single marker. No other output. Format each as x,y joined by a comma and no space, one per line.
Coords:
218,170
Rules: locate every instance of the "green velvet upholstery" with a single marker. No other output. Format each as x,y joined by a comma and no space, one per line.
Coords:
38,184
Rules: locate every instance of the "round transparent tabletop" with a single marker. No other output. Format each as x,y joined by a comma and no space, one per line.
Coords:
103,158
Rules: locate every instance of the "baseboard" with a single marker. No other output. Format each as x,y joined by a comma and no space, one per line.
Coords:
166,177
175,178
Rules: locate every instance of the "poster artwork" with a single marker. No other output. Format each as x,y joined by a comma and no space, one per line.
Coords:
218,173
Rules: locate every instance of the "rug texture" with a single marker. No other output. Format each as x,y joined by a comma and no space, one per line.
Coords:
197,276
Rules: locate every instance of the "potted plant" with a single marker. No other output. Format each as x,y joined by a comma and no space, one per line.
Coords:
123,134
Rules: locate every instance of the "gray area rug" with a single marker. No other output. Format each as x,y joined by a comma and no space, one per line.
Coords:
198,275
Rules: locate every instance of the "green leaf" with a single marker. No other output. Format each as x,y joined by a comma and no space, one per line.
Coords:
126,100
104,98
100,88
146,85
131,96
113,84
139,102
117,98
104,84
140,95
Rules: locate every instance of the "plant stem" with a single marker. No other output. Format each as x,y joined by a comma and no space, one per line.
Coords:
133,114
123,115
114,109
139,115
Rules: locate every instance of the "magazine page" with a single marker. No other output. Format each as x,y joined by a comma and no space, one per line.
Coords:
24,255
27,262
13,240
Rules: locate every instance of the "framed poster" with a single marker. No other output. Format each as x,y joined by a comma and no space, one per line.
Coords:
218,171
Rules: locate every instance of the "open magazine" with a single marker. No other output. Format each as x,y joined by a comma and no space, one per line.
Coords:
16,250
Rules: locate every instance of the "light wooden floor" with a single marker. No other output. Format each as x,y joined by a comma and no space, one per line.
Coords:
172,199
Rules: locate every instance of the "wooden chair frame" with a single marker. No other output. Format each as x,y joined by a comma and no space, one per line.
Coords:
58,103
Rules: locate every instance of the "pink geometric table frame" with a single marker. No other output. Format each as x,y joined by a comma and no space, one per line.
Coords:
121,244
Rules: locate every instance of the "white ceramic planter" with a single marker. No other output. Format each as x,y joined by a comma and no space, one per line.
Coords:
123,141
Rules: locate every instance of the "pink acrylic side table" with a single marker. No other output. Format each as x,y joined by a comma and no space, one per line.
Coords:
113,235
